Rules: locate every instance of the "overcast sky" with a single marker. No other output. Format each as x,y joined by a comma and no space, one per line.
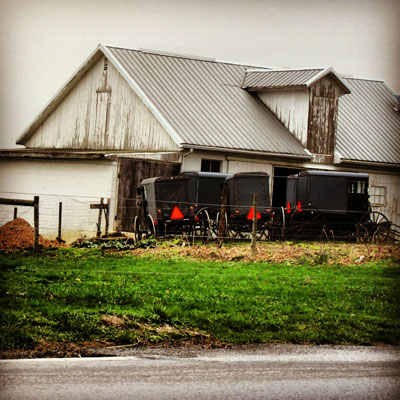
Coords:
43,42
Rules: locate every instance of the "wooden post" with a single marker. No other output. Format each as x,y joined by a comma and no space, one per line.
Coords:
15,213
254,232
98,234
107,215
36,222
222,227
59,220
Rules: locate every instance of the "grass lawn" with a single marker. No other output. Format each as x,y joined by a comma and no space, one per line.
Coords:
76,295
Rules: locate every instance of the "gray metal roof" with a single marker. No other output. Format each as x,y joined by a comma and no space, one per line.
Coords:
368,126
279,78
203,103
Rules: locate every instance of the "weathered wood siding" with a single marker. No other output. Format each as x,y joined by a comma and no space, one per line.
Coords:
131,173
323,109
291,107
102,112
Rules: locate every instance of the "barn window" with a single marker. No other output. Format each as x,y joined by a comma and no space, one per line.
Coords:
210,165
377,195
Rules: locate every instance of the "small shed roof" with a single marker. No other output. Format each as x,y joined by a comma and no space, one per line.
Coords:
262,79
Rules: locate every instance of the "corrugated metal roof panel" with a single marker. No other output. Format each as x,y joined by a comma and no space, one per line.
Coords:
281,78
204,103
368,126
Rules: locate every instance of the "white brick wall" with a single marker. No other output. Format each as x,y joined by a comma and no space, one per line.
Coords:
75,183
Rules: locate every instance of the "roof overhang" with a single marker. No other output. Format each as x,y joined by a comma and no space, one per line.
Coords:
371,164
53,154
306,157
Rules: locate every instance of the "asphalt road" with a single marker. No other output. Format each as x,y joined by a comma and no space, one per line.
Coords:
257,372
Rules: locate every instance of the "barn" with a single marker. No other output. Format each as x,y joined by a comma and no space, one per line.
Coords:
129,114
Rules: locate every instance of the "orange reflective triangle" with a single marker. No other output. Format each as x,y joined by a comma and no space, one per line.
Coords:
176,213
250,215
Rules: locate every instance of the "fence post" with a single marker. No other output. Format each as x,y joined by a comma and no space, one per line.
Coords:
222,227
254,231
15,213
59,220
98,234
36,222
107,216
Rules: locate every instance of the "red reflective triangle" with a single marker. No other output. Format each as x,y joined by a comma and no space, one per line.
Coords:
250,215
176,213
299,206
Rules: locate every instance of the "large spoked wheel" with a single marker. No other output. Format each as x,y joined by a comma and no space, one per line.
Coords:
375,226
203,227
306,224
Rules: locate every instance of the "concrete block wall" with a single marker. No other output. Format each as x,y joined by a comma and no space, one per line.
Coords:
75,183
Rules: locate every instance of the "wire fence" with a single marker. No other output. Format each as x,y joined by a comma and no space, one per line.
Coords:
88,216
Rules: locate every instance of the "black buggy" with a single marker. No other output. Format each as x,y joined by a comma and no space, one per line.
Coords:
186,204
240,189
331,205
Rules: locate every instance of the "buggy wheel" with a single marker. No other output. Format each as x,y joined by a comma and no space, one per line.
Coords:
377,225
362,233
277,225
202,229
137,235
307,224
150,226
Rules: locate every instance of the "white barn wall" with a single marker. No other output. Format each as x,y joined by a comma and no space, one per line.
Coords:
192,161
292,108
76,184
392,184
102,112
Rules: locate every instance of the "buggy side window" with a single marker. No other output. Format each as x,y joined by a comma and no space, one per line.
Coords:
357,187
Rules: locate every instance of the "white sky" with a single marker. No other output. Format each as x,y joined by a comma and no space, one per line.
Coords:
43,42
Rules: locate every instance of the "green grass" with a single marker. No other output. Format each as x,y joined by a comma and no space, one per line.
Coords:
61,295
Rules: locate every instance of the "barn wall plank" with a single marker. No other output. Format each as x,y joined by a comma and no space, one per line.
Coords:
291,107
102,113
130,174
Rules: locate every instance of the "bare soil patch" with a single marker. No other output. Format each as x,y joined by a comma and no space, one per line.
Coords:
18,234
276,252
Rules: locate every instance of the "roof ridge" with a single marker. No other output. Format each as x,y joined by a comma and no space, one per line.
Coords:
363,79
188,57
286,69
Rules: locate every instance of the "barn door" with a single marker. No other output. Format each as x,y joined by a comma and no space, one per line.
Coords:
131,173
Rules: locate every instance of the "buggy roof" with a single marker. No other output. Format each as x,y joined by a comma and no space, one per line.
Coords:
333,173
202,174
248,175
185,176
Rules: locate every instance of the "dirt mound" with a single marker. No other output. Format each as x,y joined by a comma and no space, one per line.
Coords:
18,235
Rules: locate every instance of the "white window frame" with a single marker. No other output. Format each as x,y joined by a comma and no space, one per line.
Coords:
377,195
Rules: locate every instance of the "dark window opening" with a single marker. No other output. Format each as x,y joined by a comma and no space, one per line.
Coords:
279,185
210,165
